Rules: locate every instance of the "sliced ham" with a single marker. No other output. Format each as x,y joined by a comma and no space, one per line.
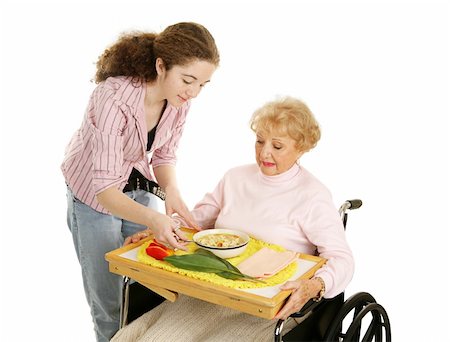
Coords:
266,262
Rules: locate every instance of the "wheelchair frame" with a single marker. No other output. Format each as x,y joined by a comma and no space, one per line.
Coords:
361,304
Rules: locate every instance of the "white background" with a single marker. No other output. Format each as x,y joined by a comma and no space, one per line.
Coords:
376,75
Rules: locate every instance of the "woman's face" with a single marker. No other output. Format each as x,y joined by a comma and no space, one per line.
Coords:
275,153
183,82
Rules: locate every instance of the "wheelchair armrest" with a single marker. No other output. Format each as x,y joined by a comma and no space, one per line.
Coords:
325,308
308,307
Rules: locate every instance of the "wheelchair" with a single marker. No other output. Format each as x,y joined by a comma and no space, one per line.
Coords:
359,318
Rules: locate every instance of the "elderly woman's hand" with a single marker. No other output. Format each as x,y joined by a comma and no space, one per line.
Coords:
303,290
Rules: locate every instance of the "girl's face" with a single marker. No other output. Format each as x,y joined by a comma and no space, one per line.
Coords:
183,82
275,153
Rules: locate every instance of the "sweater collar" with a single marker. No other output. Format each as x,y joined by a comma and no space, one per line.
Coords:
282,177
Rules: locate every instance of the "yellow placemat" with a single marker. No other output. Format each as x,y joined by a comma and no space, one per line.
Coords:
253,246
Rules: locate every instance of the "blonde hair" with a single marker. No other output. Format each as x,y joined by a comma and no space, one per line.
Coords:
288,116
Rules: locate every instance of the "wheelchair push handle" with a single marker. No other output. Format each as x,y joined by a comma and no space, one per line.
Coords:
355,204
350,205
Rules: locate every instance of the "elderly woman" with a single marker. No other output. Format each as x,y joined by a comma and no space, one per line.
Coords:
275,200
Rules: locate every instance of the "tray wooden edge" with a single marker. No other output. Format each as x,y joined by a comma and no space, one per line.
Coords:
256,305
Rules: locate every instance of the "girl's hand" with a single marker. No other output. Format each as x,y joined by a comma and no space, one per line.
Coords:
303,290
164,229
174,204
168,232
136,237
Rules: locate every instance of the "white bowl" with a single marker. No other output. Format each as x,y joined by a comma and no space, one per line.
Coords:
223,252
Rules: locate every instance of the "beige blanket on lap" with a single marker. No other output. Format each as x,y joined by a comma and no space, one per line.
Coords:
193,320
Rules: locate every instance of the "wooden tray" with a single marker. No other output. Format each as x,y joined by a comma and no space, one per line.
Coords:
261,302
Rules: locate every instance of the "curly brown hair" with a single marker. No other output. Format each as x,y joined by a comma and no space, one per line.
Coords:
134,54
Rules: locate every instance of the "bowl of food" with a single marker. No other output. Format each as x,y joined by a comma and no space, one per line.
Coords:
225,243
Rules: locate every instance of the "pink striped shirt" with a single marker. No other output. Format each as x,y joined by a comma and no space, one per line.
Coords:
113,137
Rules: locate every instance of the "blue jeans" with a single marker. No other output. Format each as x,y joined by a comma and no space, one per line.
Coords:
95,234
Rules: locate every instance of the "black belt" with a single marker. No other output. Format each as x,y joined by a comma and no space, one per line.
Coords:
142,183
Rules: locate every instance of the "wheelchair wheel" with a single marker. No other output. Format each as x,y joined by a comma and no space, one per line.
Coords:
361,304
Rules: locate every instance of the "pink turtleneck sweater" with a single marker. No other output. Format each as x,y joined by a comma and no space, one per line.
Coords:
293,209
